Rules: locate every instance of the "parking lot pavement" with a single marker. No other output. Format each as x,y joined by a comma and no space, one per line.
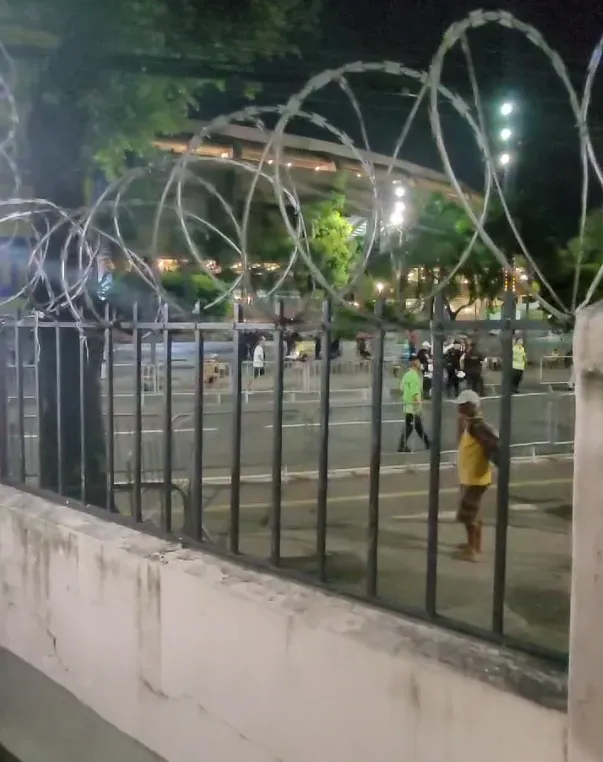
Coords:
538,554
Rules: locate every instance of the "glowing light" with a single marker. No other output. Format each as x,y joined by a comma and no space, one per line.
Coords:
224,155
505,159
397,216
505,134
379,286
507,108
399,191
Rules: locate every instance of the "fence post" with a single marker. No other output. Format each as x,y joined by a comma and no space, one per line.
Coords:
4,428
585,705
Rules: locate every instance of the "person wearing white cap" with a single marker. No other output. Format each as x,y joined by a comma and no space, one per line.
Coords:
425,357
478,446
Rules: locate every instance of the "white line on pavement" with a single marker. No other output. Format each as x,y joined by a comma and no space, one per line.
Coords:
315,424
146,431
451,515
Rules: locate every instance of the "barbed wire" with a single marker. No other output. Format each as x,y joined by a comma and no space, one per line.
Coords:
68,275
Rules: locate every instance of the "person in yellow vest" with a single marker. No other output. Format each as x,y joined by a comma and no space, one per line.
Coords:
478,447
519,363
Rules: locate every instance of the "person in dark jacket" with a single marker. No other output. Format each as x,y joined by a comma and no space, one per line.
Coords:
452,363
472,363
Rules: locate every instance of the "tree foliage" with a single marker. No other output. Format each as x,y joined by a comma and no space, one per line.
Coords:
80,115
433,247
588,254
121,112
328,240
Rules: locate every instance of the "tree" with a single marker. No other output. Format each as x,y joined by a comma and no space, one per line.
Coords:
587,257
81,117
328,240
433,247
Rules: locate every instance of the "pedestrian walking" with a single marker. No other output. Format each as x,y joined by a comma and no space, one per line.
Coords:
412,402
259,359
472,363
519,363
478,447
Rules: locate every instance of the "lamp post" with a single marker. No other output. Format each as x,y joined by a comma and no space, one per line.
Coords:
396,221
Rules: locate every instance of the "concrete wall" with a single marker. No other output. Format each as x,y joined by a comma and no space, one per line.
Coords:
198,658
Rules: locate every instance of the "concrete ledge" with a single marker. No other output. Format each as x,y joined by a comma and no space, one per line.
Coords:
184,651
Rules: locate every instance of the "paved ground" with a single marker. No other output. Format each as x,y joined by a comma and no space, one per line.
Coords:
537,601
538,555
539,422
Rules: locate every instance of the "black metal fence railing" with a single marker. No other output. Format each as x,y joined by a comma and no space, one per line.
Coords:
78,420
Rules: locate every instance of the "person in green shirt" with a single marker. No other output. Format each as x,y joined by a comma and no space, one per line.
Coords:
411,387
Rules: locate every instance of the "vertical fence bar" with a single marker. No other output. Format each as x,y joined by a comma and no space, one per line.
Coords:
196,498
4,428
277,436
110,426
323,447
59,399
20,399
166,518
504,467
237,400
38,382
437,397
137,449
375,456
82,415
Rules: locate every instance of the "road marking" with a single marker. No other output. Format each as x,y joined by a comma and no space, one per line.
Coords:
146,431
383,496
448,515
315,424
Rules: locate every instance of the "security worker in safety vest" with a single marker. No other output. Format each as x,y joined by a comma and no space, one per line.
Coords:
519,363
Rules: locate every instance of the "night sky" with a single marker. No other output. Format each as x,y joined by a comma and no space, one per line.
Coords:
507,66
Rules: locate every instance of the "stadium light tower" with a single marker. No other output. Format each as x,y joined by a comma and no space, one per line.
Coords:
506,133
507,108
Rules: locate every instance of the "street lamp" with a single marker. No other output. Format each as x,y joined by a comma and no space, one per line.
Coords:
504,159
505,134
399,191
397,216
379,286
507,108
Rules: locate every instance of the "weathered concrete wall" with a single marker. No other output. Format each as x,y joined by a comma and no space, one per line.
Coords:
586,633
198,658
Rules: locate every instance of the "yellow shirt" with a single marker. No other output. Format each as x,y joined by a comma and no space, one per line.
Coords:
474,467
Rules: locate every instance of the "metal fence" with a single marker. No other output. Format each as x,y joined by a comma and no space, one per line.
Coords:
210,464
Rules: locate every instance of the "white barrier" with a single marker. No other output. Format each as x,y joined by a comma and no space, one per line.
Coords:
554,362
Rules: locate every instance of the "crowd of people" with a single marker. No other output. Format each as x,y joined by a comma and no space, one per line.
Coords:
478,443
464,366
